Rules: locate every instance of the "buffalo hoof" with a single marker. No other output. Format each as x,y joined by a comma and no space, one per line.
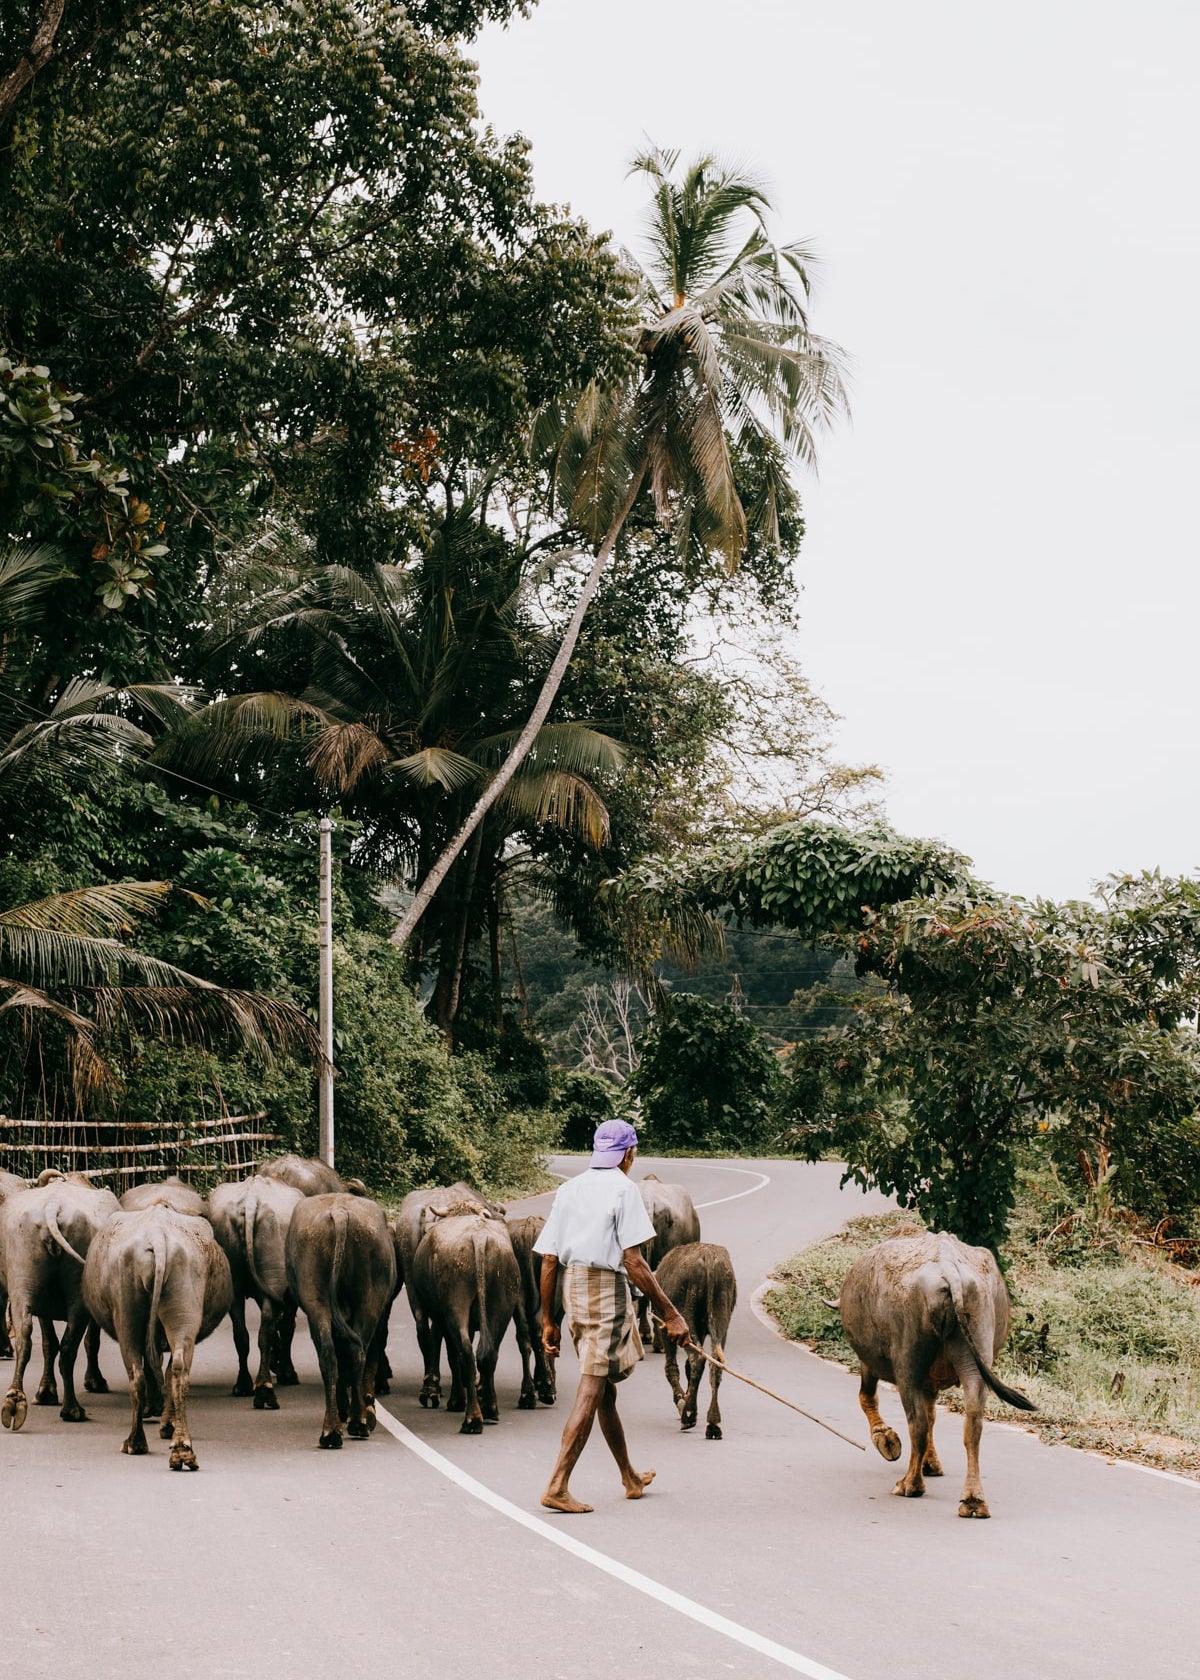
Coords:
908,1490
932,1467
73,1414
547,1396
136,1449
713,1432
454,1404
287,1379
6,1348
430,1397
887,1442
183,1458
166,1430
527,1402
358,1429
372,1420
242,1387
973,1506
14,1411
491,1417
46,1397
333,1440
95,1384
686,1422
264,1399
471,1426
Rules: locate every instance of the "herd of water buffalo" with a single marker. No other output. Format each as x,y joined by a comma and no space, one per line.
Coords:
158,1270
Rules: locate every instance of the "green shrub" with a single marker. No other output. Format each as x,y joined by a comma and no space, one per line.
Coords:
707,1078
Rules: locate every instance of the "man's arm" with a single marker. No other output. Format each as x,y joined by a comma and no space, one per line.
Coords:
549,1281
641,1277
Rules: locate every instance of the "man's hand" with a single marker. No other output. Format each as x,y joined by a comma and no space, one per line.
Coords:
551,1338
675,1326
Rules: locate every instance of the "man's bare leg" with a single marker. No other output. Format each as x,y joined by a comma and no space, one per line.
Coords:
634,1481
578,1427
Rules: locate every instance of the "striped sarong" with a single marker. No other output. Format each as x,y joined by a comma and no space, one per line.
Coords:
600,1315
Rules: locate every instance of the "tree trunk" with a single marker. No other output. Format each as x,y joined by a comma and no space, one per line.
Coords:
38,54
494,945
460,937
537,718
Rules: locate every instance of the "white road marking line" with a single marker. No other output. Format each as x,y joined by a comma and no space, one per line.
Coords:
600,1560
763,1180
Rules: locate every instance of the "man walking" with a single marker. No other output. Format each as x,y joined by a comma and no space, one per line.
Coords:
594,1232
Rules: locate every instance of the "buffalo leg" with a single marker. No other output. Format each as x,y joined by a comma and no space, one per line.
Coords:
354,1361
972,1503
671,1367
93,1377
47,1389
131,1339
179,1378
885,1440
6,1346
933,1464
429,1337
320,1325
912,1484
528,1398
712,1423
16,1407
285,1329
264,1388
462,1362
691,1400
77,1323
244,1383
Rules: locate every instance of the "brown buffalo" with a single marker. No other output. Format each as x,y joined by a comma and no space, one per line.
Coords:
341,1267
9,1185
926,1312
251,1223
45,1233
311,1177
418,1211
538,1382
157,1281
165,1192
675,1220
466,1281
699,1279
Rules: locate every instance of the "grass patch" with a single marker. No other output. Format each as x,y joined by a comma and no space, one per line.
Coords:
1105,1335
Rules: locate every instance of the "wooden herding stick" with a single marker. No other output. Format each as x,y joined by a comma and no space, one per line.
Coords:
712,1359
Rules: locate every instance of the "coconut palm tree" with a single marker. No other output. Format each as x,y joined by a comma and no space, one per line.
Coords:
725,360
415,681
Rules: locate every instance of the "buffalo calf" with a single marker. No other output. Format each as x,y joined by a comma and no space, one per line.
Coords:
341,1267
699,1279
156,1279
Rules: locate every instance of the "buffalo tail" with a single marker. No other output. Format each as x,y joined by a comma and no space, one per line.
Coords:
1010,1396
341,1220
55,1231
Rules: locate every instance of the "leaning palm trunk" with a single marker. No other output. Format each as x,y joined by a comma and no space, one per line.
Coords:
541,711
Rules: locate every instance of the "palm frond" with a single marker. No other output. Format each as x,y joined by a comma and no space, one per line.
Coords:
343,753
27,572
437,767
574,748
557,797
90,912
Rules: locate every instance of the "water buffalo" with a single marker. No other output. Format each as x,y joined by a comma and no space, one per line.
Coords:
9,1184
699,1279
167,1192
926,1312
675,1220
156,1279
466,1280
537,1383
341,1267
311,1177
418,1211
251,1222
45,1233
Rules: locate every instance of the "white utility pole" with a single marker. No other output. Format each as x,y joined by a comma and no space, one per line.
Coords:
325,996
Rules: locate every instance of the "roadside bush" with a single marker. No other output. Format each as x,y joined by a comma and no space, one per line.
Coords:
582,1102
706,1078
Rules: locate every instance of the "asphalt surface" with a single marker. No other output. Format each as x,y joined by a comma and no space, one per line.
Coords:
279,1558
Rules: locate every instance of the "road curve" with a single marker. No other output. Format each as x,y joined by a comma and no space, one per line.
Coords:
281,1558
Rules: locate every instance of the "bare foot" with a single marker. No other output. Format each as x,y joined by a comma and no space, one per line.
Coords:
564,1502
641,1481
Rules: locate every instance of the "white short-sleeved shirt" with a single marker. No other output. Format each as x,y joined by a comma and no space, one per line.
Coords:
596,1216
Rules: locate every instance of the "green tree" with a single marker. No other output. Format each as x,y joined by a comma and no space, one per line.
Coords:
706,1078
726,366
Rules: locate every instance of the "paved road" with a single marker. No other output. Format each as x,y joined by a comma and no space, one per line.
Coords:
278,1558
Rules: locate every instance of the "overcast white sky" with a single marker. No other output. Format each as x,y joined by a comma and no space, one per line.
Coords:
1001,590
